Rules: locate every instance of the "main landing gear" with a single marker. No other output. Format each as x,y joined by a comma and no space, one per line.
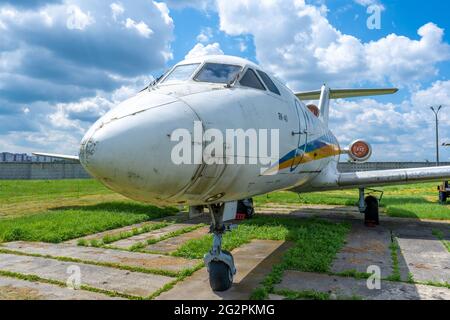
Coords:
370,206
444,192
220,263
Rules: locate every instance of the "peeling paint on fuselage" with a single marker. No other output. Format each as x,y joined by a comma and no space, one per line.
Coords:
129,148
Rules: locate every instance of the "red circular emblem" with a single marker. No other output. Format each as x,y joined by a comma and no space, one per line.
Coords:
360,149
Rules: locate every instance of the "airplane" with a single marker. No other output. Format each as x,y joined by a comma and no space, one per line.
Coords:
129,149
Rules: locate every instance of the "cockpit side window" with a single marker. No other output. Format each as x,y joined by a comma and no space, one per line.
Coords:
250,79
181,73
218,73
269,83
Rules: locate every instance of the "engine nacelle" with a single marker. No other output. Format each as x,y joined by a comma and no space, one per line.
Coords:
360,151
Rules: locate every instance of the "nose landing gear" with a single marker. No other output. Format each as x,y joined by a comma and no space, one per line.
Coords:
220,263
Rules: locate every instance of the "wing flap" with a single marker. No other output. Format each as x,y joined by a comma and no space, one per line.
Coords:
392,177
345,93
57,156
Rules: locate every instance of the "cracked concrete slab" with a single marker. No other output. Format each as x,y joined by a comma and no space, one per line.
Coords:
101,255
425,258
365,247
16,289
172,244
152,235
111,279
353,288
100,235
253,262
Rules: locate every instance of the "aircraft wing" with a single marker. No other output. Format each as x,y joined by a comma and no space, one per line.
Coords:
330,179
392,177
345,93
57,156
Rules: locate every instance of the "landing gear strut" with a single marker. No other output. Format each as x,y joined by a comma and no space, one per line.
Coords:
370,206
220,263
444,192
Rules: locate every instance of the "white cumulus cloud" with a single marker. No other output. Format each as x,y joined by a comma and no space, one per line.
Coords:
402,131
201,50
117,10
77,19
141,27
303,47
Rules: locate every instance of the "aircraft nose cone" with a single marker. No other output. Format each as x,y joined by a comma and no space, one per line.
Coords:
132,154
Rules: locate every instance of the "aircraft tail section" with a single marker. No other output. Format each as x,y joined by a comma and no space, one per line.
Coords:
325,95
324,104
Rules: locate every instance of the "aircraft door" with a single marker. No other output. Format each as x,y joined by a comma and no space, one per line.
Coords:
302,136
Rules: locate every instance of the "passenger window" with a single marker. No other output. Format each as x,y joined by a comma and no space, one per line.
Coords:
250,79
269,83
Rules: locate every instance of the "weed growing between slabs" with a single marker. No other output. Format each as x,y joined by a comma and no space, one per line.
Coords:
316,243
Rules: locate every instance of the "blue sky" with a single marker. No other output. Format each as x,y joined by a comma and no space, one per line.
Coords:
64,63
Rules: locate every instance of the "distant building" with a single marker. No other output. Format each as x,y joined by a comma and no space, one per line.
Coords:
23,157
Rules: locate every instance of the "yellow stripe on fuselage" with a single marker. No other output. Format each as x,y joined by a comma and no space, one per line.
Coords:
318,154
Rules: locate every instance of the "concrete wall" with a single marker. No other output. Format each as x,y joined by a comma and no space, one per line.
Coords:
57,171
42,171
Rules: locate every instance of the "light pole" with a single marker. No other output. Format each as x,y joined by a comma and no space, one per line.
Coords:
436,113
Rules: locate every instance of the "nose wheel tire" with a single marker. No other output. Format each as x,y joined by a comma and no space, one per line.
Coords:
220,263
220,276
371,214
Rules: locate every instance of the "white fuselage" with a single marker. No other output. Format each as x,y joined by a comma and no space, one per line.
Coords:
129,149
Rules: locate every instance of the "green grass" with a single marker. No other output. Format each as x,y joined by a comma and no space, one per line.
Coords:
175,233
136,231
99,263
396,275
140,246
262,228
304,295
25,197
110,238
315,241
409,201
33,278
435,284
354,274
440,235
314,245
12,191
73,222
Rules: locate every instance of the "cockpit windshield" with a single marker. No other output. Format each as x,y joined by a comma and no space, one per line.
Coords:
218,73
181,73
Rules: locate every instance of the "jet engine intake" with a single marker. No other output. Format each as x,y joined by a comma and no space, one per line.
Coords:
360,151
